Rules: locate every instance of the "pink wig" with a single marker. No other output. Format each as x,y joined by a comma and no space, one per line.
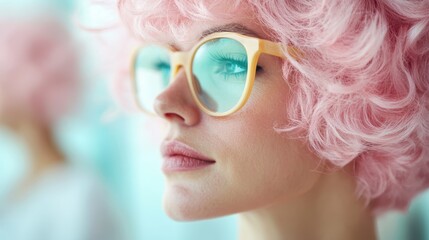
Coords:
360,95
38,68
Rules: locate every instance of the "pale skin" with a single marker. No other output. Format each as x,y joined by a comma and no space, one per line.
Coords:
281,190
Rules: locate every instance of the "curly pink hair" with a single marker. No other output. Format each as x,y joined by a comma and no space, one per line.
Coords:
38,68
359,96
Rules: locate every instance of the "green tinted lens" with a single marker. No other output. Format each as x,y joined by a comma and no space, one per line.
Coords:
151,74
220,71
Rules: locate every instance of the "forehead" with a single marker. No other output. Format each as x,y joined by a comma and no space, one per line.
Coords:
203,30
182,32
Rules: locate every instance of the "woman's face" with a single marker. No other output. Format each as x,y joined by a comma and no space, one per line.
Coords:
254,165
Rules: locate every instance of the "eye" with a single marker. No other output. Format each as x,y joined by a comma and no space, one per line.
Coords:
228,66
231,67
162,66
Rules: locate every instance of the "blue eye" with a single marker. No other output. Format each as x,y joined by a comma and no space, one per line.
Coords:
164,68
229,66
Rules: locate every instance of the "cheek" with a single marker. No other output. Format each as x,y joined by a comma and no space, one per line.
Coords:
261,164
266,163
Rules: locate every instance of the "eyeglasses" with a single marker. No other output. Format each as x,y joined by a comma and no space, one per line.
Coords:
220,70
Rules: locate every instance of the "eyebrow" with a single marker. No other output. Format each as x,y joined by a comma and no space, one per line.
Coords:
232,27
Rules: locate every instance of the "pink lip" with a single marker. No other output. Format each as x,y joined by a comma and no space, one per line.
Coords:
180,157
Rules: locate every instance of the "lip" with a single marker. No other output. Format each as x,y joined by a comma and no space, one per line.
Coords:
179,157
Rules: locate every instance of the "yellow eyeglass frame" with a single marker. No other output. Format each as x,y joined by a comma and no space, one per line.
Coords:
254,48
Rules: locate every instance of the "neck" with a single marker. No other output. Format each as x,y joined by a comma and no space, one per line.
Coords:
42,149
329,211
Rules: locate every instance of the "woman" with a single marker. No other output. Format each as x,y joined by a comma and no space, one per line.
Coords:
306,117
39,78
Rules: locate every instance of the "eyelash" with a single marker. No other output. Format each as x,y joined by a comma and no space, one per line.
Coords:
219,56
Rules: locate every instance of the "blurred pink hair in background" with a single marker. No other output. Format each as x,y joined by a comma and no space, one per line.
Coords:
39,74
359,96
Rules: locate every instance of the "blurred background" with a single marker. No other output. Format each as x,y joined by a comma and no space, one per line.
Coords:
112,148
112,167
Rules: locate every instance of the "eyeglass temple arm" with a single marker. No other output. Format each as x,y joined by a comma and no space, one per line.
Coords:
277,49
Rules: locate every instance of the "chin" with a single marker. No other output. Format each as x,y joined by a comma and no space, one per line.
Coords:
178,214
180,208
181,205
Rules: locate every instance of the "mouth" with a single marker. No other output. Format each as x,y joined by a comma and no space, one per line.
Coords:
179,157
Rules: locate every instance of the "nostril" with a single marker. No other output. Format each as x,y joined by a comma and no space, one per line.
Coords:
174,117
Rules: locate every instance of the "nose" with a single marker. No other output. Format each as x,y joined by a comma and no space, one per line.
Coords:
176,104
